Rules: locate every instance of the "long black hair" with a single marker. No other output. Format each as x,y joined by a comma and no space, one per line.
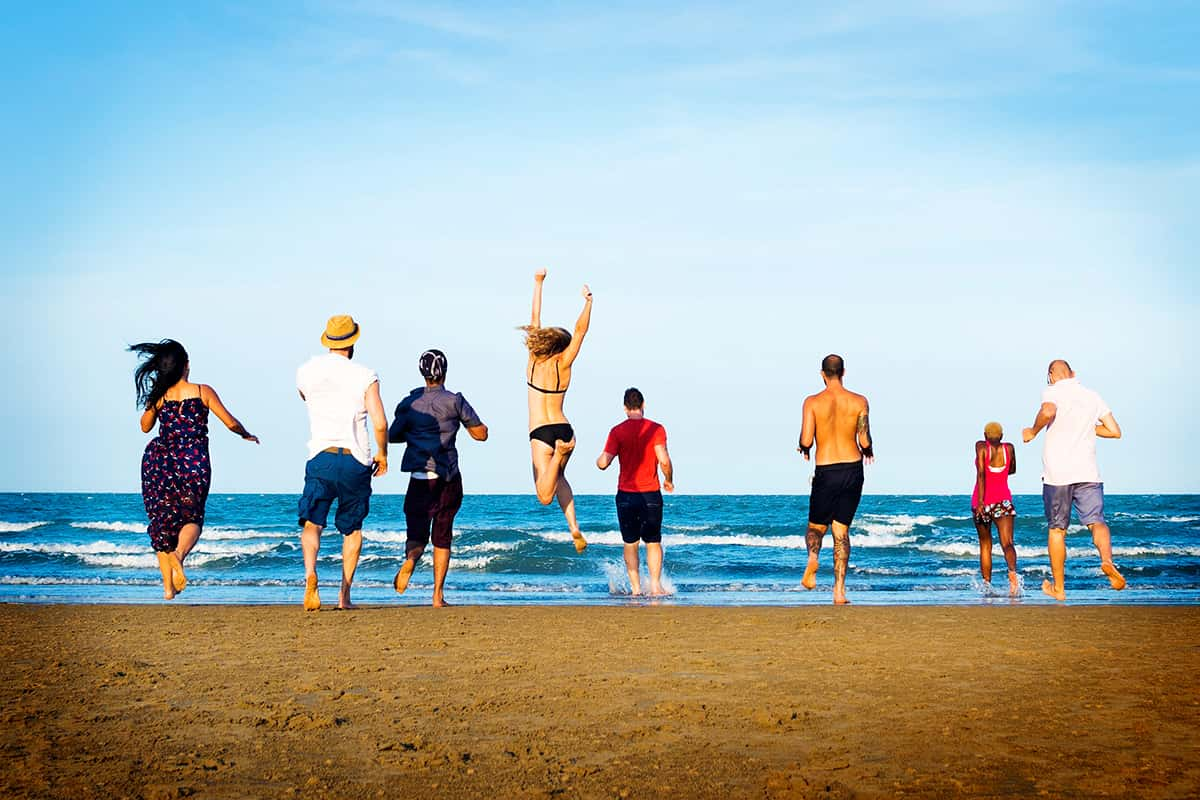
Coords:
163,367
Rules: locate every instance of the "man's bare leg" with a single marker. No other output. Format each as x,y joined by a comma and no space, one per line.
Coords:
164,566
985,551
631,567
1004,526
654,562
841,560
441,565
351,547
1057,545
813,538
310,544
1102,538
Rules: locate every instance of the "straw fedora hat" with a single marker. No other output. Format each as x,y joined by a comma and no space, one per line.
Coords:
340,332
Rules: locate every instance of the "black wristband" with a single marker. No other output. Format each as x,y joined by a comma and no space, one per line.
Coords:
868,451
805,450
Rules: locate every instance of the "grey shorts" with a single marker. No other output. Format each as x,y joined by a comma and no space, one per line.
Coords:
1087,498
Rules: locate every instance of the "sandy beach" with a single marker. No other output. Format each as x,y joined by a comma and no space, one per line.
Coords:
244,701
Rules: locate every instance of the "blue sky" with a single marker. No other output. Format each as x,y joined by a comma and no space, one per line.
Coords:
949,194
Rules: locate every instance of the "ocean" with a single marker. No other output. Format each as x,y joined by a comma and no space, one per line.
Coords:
720,550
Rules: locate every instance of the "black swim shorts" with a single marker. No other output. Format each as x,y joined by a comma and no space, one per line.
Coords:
836,491
429,509
640,516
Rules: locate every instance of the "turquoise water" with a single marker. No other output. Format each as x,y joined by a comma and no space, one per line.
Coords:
720,550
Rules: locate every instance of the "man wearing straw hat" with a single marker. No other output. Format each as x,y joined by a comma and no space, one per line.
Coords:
339,394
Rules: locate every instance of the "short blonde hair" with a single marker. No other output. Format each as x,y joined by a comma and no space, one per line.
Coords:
546,342
993,430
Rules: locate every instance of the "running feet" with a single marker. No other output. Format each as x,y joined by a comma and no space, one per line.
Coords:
179,579
312,599
1058,594
400,582
1014,584
809,581
1115,578
580,542
840,599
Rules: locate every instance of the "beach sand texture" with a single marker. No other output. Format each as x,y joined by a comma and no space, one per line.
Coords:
534,702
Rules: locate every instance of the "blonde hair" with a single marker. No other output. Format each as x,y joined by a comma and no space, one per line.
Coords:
545,342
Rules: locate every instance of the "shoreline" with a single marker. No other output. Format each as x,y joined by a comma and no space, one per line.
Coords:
600,701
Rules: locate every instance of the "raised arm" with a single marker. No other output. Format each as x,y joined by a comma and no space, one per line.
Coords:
808,430
668,469
535,319
1044,417
581,328
210,399
1108,427
379,423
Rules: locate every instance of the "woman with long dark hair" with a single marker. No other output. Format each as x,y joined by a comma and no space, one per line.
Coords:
176,472
552,351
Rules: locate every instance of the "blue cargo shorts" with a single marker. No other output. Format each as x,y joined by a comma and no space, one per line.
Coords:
336,476
1087,498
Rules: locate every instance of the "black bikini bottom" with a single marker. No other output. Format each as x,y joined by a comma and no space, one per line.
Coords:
552,434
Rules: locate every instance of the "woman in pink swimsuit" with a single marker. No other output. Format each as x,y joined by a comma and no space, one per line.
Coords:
992,502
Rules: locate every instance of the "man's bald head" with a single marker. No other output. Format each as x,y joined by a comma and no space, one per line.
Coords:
1060,369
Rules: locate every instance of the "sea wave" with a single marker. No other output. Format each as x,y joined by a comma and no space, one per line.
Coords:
70,549
871,539
19,527
536,588
234,534
972,549
144,561
128,527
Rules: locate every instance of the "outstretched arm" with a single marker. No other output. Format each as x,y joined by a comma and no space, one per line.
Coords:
535,320
808,431
581,328
1108,427
1044,417
214,404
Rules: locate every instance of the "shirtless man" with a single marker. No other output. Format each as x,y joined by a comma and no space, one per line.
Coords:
836,421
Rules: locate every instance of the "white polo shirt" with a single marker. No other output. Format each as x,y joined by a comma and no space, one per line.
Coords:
1069,454
335,391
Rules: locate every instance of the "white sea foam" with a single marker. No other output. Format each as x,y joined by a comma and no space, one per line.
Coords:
20,527
488,547
128,527
54,580
972,549
881,538
144,561
472,562
955,571
69,549
227,534
536,588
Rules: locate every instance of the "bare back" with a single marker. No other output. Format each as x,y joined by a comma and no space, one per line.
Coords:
550,379
837,419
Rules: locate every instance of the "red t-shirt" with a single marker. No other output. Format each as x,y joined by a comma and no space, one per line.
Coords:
633,443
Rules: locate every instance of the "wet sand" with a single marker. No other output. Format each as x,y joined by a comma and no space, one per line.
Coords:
490,702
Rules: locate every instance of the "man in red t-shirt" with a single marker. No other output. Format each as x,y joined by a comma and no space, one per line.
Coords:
641,445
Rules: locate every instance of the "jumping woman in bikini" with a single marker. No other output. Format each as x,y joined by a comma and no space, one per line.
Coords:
552,351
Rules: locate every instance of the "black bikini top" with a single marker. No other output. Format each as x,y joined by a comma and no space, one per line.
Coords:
557,382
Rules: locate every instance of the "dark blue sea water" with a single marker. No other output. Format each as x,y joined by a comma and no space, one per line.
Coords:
720,550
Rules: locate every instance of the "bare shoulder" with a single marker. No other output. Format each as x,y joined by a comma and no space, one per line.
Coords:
860,399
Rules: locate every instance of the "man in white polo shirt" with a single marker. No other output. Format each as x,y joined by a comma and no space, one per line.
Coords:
1073,417
339,394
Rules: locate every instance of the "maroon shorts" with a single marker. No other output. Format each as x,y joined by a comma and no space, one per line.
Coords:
429,509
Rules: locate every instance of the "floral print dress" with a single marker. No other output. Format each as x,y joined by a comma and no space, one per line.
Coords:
176,472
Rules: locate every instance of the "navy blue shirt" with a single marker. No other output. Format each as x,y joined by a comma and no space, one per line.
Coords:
427,422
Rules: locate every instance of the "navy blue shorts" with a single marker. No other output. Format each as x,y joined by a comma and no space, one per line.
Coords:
341,477
640,515
1087,498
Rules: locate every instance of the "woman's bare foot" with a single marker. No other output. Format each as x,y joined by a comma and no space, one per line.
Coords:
1058,594
580,542
312,598
840,600
400,582
178,578
1115,578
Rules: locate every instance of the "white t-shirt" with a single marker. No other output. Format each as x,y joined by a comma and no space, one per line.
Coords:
335,391
1069,455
